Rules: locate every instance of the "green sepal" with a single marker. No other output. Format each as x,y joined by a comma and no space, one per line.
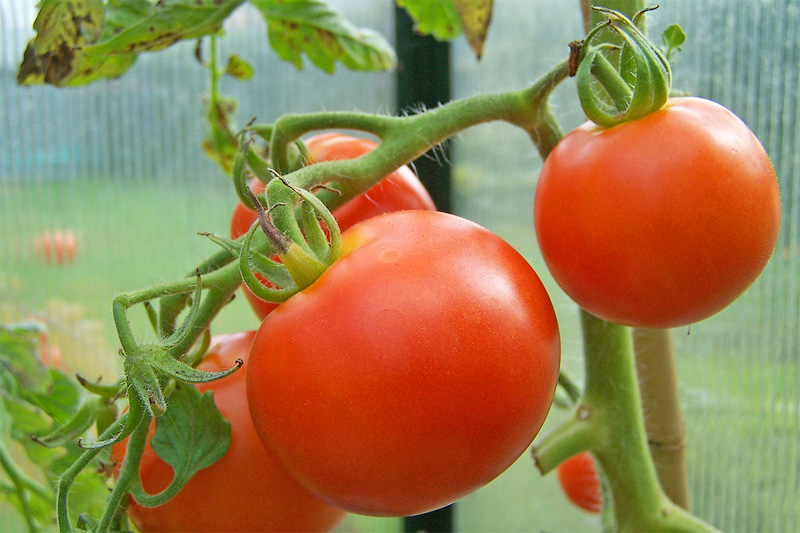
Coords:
259,289
334,249
192,435
272,270
132,419
86,523
106,391
143,380
74,428
315,235
162,361
640,87
185,328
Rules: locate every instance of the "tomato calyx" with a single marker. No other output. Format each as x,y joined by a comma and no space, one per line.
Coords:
639,86
303,259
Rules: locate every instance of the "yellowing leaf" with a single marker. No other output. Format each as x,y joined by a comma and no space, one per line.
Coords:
475,16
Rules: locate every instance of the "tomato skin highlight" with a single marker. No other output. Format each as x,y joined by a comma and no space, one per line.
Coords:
400,190
415,370
246,490
662,221
578,478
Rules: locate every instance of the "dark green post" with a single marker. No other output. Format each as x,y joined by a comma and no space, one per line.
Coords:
423,79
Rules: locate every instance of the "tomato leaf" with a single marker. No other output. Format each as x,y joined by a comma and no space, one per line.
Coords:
475,17
238,68
190,436
163,24
438,18
82,41
673,38
18,356
313,28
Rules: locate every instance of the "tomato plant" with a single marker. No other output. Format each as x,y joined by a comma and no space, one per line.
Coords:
246,490
578,478
661,221
398,191
416,369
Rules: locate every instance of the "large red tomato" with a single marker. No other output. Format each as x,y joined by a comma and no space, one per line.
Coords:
246,490
400,190
416,369
578,478
662,221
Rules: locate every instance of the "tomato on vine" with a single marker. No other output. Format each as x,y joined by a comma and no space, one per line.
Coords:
578,478
415,370
400,190
246,490
661,221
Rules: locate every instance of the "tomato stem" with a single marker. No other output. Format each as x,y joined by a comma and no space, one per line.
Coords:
129,473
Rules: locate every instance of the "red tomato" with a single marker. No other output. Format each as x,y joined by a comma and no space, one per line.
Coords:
578,478
400,190
246,490
58,247
662,221
415,370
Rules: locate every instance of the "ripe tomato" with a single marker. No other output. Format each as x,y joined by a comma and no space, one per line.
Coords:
246,490
578,478
400,190
662,221
415,370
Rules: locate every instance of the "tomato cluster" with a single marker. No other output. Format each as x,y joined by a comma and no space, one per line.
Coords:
384,388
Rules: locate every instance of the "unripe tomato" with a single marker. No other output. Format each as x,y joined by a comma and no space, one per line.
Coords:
578,478
246,490
661,221
400,190
415,370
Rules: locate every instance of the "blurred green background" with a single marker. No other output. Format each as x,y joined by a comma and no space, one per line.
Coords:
119,165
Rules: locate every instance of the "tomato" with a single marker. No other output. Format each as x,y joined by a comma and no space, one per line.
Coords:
58,247
246,490
400,190
578,478
415,370
661,221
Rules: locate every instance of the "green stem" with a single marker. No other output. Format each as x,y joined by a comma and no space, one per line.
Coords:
70,474
403,139
128,473
22,484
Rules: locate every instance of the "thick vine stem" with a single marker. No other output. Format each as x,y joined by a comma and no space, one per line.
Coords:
608,421
403,139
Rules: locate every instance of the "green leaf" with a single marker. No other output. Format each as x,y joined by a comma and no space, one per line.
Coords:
673,38
62,400
163,24
82,41
191,435
238,68
54,56
74,428
313,28
433,17
18,355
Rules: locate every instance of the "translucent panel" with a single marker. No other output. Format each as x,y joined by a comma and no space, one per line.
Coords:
117,166
739,371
